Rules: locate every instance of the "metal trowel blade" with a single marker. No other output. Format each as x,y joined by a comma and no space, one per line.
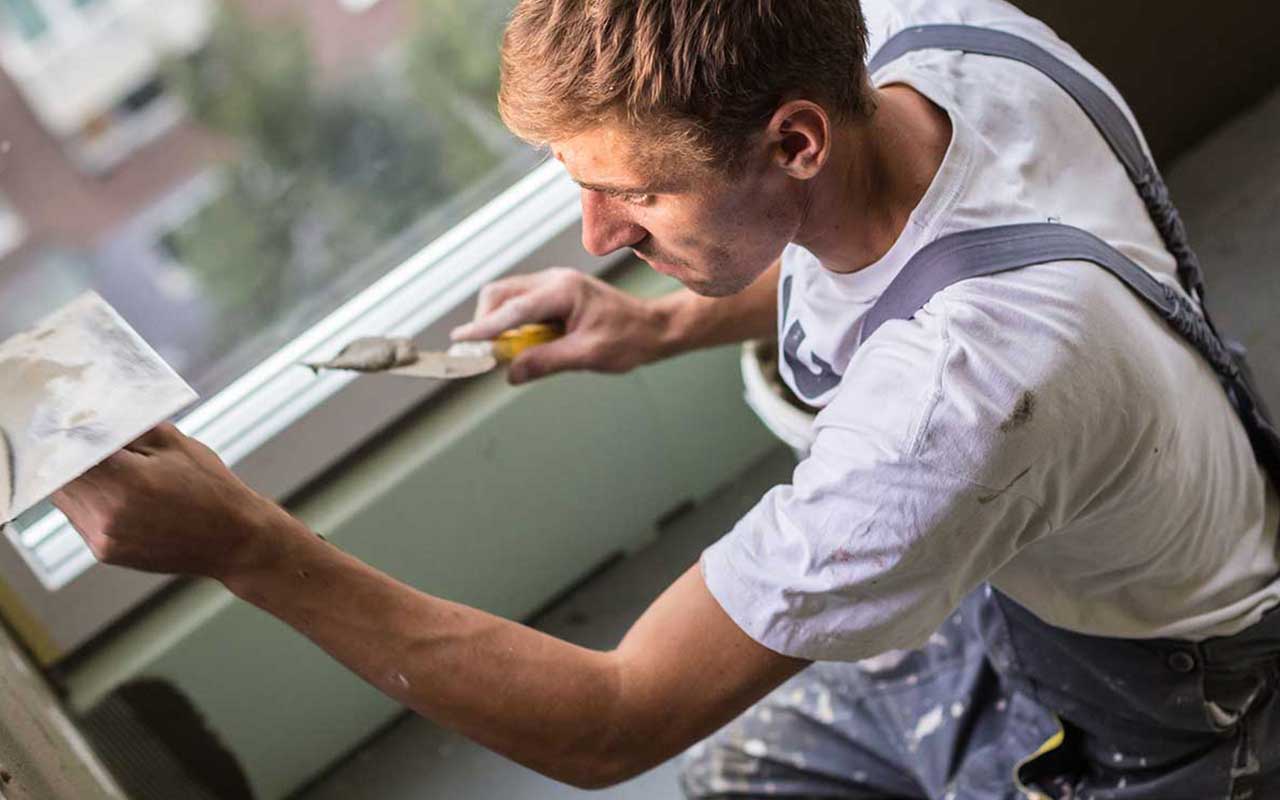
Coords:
445,366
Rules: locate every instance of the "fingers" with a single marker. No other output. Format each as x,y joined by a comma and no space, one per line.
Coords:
158,438
80,512
570,352
495,294
77,502
511,302
491,298
539,305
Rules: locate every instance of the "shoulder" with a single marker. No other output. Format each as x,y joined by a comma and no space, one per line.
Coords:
994,372
887,17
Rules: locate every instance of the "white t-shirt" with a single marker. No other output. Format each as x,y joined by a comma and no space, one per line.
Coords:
1041,429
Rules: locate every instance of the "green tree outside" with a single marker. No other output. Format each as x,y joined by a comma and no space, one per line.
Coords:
326,174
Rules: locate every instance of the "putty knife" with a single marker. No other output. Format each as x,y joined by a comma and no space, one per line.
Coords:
462,360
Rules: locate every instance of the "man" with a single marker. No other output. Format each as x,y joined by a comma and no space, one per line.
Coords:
1041,431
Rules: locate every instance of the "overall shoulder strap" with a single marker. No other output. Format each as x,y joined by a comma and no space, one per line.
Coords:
988,251
1109,119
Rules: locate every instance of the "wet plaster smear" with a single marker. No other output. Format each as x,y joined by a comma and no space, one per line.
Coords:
74,389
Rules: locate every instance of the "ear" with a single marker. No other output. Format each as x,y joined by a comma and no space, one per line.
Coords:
799,137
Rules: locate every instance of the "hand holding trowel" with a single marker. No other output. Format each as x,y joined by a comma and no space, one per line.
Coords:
462,360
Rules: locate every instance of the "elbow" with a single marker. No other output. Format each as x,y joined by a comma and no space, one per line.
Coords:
628,737
612,756
604,772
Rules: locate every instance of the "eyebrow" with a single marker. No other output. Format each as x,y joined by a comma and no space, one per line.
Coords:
607,189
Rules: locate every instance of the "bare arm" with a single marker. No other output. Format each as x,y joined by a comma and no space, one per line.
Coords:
580,716
584,717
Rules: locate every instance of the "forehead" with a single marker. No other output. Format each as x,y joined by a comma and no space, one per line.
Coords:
600,153
615,158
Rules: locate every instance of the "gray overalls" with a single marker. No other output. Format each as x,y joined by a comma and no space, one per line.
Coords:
1000,704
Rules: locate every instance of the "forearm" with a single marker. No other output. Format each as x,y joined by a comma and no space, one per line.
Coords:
545,703
168,504
689,321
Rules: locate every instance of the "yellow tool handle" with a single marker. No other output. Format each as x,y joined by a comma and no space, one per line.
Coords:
512,343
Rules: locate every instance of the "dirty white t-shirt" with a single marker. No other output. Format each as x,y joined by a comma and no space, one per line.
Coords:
1041,429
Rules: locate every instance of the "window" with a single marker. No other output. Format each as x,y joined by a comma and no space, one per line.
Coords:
341,144
331,175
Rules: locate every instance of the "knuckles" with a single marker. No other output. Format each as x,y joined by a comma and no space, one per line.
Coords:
563,275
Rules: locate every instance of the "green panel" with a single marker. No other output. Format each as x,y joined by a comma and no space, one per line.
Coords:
497,497
737,437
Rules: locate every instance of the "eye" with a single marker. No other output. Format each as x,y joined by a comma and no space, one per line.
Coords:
636,199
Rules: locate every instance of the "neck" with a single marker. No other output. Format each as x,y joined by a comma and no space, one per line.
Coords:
878,172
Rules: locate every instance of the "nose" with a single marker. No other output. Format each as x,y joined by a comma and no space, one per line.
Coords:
606,226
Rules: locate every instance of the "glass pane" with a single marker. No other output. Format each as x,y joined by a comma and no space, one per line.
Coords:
23,16
227,188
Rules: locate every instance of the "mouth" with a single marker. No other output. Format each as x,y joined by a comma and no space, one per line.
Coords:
658,266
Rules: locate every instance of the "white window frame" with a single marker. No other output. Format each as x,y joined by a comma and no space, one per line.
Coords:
279,427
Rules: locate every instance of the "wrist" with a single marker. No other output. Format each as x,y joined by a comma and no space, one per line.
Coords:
272,540
670,321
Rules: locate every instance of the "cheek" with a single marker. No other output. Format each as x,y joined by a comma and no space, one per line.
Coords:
749,222
759,227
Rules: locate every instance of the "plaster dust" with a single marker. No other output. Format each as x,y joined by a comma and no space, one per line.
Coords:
74,389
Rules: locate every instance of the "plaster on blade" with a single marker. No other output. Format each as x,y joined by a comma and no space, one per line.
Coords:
74,389
371,354
401,357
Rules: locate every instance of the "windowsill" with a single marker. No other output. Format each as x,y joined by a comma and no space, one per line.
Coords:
280,427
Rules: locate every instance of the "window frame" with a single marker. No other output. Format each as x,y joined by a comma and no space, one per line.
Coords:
279,427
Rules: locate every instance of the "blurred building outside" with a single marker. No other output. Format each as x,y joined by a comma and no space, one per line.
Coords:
225,173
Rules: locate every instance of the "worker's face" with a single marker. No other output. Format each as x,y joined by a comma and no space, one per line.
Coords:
714,233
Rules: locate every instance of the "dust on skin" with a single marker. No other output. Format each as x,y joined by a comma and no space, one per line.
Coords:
372,354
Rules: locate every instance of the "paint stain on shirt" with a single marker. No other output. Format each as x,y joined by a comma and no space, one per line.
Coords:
1022,413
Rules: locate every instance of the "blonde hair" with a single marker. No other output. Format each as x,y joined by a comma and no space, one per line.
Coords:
702,76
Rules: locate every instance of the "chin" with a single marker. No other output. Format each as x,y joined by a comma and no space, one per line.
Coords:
706,288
